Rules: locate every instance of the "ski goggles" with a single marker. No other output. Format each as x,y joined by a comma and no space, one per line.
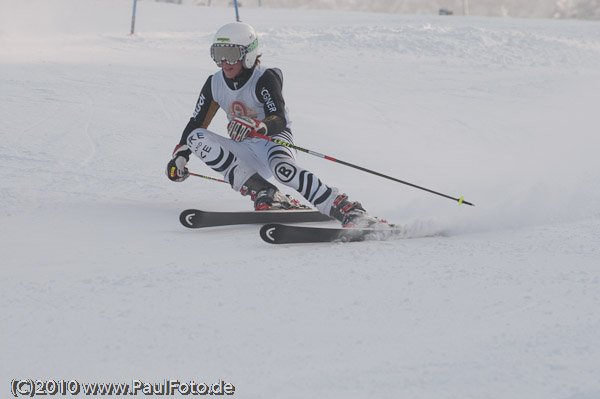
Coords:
230,53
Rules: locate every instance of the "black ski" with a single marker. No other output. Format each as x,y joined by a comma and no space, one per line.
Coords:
275,233
195,218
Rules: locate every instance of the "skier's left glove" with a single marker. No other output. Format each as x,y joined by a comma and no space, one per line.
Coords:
176,170
242,127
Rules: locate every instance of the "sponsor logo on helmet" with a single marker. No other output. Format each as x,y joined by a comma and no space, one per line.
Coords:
253,45
223,39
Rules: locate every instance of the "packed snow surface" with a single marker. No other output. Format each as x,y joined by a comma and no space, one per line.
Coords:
100,282
579,9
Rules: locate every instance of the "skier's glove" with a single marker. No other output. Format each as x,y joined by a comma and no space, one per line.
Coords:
176,170
241,127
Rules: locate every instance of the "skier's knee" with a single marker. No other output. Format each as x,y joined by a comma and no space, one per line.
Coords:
201,142
284,171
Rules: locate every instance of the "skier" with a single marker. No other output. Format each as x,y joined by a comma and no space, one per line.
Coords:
251,95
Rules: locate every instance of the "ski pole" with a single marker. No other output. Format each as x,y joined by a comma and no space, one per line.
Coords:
460,200
207,177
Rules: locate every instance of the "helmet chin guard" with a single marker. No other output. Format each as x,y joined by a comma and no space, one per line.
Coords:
234,42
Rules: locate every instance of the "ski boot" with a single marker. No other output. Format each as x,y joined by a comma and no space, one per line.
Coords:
267,197
272,199
352,214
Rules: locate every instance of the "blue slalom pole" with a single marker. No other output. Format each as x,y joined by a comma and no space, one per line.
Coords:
133,17
237,14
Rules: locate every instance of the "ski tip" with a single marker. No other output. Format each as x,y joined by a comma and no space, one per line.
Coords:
187,217
268,233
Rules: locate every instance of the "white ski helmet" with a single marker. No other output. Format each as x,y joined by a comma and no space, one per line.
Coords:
234,42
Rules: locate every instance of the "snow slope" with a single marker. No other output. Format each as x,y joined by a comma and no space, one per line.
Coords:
579,9
100,282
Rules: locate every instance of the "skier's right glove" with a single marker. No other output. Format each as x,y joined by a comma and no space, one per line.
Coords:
176,170
241,127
